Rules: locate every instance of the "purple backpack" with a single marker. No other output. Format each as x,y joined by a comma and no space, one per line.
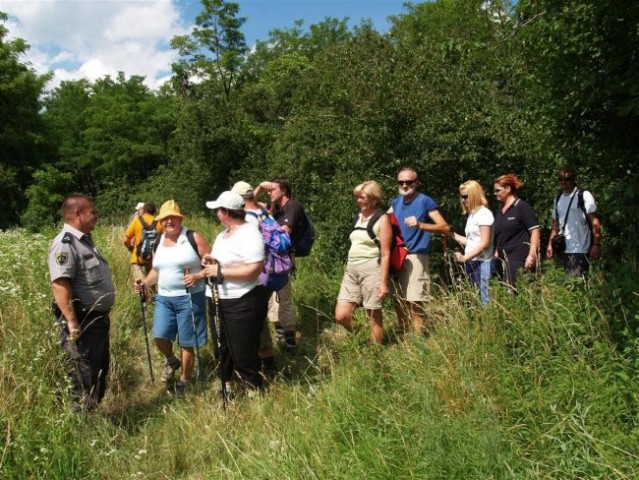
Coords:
277,245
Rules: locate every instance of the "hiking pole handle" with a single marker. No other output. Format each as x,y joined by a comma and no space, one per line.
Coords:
187,271
140,289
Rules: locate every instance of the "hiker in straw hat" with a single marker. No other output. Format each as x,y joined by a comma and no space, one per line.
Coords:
180,306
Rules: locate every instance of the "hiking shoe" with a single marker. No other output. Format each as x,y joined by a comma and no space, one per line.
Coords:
290,349
269,368
171,366
279,333
290,345
180,387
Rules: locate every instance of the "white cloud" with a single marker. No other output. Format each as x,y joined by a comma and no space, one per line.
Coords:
90,39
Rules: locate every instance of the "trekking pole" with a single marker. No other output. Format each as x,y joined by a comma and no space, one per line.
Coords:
217,326
146,335
200,367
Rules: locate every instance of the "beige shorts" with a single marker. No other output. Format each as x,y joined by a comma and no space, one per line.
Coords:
360,285
280,307
413,280
140,272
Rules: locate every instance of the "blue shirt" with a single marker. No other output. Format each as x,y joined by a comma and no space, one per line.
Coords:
417,241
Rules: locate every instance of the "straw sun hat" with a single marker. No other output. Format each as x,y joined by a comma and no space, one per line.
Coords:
170,208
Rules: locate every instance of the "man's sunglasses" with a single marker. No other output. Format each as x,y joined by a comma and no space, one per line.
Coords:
408,183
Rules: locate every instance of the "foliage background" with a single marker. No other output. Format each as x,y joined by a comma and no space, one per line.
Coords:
456,89
541,385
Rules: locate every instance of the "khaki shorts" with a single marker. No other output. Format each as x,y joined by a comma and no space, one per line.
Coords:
140,272
360,285
413,280
280,307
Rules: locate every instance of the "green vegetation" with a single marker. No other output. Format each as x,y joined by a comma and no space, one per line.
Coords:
539,385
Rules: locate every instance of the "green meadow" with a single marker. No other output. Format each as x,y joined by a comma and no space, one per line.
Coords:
538,385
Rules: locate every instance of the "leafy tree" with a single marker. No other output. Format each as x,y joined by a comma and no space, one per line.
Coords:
582,57
45,196
215,49
21,142
210,139
111,134
127,129
66,120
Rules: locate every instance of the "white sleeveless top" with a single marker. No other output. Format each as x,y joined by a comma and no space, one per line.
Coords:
171,262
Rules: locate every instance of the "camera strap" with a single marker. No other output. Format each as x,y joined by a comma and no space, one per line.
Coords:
572,197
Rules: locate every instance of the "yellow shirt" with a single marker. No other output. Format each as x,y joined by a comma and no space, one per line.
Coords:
363,247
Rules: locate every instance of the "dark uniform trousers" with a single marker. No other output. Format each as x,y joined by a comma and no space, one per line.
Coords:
88,357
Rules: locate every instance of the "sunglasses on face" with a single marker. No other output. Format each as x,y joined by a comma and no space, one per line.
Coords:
497,190
464,197
408,183
566,179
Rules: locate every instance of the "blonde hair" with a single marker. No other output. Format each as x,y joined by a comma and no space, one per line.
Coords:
371,189
476,197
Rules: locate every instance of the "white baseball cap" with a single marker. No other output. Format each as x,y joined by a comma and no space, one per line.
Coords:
228,200
139,206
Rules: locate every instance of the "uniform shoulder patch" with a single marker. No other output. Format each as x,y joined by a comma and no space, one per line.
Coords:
61,258
67,238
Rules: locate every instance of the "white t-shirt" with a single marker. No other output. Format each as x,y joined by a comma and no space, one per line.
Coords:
577,230
481,217
252,219
244,247
171,262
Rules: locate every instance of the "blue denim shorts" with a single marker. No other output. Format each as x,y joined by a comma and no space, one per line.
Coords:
173,319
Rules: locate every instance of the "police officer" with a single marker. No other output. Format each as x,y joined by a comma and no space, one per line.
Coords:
83,293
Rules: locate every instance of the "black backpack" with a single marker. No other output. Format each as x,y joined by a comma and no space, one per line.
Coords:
370,225
305,242
145,249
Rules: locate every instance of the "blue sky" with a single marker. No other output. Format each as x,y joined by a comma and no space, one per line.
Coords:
92,38
264,15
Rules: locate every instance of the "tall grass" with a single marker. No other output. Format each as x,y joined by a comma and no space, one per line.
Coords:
536,385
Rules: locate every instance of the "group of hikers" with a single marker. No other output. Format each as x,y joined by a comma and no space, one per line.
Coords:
243,280
389,249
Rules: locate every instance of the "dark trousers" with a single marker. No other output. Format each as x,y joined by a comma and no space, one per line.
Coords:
507,270
241,320
575,264
88,357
